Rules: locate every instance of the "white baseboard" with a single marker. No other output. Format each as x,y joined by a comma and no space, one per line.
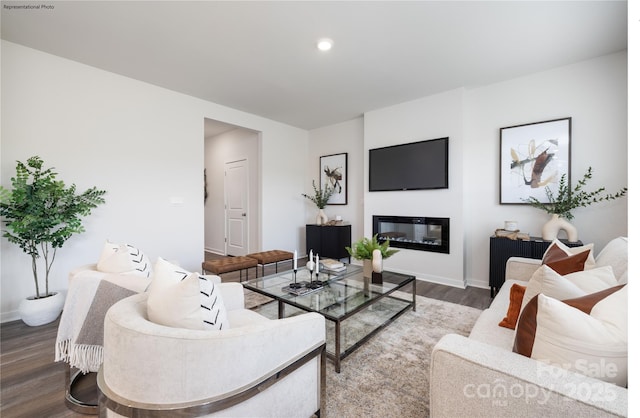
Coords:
214,251
9,316
482,284
454,283
442,280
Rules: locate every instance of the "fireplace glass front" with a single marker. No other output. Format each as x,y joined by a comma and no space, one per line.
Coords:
415,233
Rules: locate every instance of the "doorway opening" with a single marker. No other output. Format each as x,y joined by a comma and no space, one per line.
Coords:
231,204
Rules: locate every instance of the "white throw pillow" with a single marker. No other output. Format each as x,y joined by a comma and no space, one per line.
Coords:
587,335
211,312
175,303
615,254
546,280
124,259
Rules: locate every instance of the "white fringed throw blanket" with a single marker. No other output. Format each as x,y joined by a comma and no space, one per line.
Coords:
90,295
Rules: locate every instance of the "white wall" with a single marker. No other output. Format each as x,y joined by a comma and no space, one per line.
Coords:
432,117
337,139
593,93
234,145
145,146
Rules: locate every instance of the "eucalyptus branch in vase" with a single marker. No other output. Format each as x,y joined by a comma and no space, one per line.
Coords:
566,199
320,196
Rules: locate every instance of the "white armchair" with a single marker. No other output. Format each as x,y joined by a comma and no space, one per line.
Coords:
258,367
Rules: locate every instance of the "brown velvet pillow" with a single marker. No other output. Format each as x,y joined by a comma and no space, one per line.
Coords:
515,302
562,263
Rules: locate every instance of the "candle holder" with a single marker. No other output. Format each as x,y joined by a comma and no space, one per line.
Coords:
317,283
295,284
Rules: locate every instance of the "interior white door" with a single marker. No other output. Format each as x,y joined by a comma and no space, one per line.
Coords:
236,196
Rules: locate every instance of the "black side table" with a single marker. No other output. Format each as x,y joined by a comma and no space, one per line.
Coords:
500,249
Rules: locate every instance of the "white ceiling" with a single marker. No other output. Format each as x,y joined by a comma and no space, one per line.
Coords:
260,57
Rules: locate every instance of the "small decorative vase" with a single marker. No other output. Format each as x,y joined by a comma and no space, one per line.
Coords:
554,225
367,268
321,218
376,261
34,312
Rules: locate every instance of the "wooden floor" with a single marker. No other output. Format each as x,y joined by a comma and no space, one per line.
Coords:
32,385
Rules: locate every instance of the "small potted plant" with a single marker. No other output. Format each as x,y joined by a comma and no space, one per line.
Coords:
320,198
41,213
371,251
565,201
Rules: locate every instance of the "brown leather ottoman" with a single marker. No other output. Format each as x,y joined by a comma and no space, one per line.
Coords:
270,257
229,264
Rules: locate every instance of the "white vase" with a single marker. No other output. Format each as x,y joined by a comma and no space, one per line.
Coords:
321,218
34,312
376,261
554,225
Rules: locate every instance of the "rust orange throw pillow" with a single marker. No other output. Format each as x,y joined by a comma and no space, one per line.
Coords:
515,302
562,263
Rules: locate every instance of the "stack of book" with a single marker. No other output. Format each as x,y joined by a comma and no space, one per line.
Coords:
330,265
300,291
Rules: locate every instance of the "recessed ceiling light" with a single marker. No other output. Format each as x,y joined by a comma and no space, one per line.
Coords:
325,44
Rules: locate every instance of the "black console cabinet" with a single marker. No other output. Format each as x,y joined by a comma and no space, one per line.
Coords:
500,249
329,241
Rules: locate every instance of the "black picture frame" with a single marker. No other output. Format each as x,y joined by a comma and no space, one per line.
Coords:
333,171
533,157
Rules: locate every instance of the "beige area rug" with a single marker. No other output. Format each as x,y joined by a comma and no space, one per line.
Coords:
388,376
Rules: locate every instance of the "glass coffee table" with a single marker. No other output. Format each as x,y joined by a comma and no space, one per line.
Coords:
355,308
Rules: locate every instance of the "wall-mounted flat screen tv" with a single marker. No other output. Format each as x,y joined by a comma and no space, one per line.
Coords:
414,166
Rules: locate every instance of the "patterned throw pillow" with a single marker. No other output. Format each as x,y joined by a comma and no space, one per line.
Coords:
212,313
175,303
124,259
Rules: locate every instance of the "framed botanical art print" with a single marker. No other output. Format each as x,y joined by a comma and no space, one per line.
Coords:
533,157
333,172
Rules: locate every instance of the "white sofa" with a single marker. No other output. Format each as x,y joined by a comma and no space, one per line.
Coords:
480,376
257,367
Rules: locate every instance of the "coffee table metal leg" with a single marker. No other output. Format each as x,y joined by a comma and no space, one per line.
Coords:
280,309
336,360
414,295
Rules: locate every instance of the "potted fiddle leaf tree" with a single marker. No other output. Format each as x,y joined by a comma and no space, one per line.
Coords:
40,214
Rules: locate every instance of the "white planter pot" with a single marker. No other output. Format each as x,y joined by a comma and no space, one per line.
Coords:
41,311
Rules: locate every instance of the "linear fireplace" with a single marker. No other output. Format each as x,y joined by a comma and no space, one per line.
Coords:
415,233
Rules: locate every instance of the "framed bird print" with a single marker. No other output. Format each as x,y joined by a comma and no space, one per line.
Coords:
533,157
333,172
